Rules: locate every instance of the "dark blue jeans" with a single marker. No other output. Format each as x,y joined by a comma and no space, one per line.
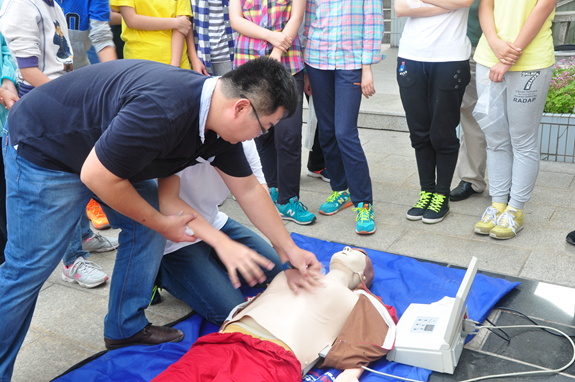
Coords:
195,275
337,96
42,208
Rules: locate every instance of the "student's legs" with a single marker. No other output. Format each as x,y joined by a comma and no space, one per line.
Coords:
526,95
53,201
413,88
499,150
135,269
195,275
287,142
81,233
447,82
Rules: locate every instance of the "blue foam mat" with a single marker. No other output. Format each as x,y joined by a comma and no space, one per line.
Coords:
399,281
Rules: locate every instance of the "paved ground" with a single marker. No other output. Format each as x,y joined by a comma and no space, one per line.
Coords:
68,322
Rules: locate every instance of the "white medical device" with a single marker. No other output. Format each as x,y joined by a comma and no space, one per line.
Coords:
430,335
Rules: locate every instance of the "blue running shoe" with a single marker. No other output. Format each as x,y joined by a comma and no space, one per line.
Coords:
296,212
335,203
274,194
365,224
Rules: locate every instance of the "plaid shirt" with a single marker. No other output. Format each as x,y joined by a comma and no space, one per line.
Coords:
272,15
201,11
343,34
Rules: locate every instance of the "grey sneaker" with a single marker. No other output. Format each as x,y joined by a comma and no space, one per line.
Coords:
99,243
85,273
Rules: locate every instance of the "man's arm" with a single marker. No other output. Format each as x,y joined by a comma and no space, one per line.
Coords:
235,256
261,211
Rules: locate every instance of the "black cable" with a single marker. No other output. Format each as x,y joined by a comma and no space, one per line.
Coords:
508,339
530,319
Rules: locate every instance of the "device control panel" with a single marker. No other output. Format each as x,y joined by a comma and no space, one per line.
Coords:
424,324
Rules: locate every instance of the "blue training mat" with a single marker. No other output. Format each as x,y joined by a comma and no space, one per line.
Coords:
399,281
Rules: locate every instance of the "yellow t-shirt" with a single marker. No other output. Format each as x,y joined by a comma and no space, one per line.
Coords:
153,45
510,15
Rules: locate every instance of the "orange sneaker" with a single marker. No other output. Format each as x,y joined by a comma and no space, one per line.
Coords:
96,215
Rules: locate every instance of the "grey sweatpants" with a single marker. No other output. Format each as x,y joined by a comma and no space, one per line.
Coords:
513,145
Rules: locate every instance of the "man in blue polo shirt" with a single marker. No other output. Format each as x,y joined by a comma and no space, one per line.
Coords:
109,130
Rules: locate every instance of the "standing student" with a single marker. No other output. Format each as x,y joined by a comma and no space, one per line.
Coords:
516,48
270,28
343,40
432,73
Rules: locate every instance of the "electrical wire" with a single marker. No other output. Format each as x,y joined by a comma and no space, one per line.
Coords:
529,318
508,339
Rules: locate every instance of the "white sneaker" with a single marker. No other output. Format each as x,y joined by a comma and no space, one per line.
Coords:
85,273
99,243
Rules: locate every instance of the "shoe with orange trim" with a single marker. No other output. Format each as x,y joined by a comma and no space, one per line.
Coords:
96,215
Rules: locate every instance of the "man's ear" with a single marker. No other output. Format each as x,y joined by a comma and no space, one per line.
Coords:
240,106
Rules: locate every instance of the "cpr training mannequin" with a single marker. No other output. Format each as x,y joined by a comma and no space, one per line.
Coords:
278,334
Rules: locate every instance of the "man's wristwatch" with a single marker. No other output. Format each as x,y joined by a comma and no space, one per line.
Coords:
288,265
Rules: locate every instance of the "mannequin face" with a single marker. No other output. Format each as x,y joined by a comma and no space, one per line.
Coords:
350,261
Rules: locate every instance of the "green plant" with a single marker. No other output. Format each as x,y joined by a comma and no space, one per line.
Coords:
561,96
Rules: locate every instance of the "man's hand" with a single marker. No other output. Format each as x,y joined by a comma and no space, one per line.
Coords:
175,228
276,54
308,275
367,87
7,98
505,51
183,24
498,71
236,256
349,375
199,66
306,84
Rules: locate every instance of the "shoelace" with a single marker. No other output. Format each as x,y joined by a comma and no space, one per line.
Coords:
98,237
334,196
436,202
364,213
86,266
489,215
423,199
300,206
507,220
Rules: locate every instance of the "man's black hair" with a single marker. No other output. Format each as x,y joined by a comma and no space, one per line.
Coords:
265,82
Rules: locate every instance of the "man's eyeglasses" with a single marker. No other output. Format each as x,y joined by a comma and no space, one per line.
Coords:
263,131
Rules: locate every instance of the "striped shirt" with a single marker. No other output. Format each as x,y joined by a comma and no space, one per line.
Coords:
342,34
272,15
204,35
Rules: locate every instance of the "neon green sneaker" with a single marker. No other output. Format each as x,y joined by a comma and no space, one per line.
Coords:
365,223
335,203
416,212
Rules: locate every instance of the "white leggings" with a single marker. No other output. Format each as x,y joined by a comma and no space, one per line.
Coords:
513,145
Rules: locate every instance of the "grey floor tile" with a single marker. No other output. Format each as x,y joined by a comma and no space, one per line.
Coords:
46,359
563,218
554,179
552,267
456,251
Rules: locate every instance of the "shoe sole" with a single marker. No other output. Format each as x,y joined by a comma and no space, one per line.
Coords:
480,232
314,175
343,207
100,227
114,347
297,221
413,217
434,221
570,241
83,285
506,238
365,232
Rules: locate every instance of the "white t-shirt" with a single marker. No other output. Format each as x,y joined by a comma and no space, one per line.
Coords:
203,189
439,38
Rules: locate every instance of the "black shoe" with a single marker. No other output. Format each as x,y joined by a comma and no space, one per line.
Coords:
571,238
463,191
150,335
437,210
416,212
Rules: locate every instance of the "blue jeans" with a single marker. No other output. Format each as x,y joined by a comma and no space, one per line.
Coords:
336,97
81,233
43,207
195,275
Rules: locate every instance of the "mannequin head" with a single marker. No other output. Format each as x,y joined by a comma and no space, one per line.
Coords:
355,263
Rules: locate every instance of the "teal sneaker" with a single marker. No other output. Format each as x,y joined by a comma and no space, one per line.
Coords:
296,212
274,194
365,224
335,203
